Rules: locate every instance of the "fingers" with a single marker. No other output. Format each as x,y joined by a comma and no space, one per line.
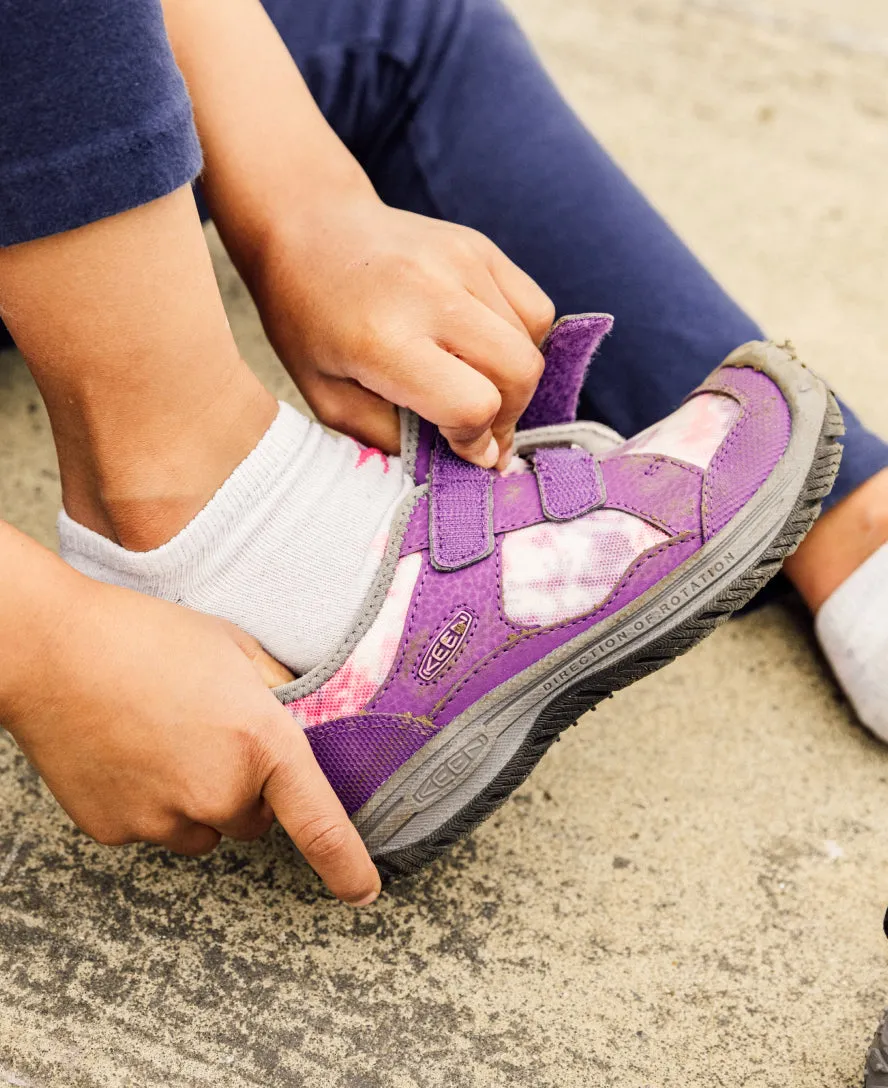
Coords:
533,306
508,358
463,354
475,385
463,403
273,673
485,289
494,326
250,824
313,817
193,840
448,392
184,835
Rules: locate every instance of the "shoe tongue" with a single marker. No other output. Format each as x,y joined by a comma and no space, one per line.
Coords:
568,350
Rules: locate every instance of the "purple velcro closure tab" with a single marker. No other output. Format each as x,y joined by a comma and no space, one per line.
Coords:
460,511
570,482
567,349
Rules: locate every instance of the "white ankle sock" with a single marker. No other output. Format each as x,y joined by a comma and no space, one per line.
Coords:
852,627
286,549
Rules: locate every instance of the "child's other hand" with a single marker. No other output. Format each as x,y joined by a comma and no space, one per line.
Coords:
153,723
370,307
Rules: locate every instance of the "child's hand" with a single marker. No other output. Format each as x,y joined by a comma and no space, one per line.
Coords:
370,307
152,723
367,306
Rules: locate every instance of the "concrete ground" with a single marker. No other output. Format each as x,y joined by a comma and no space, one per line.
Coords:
689,891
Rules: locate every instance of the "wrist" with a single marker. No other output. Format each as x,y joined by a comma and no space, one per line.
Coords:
288,220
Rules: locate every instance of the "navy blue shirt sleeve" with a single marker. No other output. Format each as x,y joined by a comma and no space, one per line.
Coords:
94,114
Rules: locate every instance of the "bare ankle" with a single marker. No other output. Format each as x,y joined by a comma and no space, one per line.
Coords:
841,541
142,490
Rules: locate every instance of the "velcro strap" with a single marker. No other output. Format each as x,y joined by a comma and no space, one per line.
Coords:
460,510
570,482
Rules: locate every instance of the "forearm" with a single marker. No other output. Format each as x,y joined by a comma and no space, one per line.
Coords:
366,305
257,120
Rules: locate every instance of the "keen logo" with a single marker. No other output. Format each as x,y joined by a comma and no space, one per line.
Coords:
449,773
444,647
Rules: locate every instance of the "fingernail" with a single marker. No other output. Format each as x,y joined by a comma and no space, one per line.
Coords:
367,900
491,454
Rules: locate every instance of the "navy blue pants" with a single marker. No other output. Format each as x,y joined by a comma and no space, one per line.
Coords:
450,112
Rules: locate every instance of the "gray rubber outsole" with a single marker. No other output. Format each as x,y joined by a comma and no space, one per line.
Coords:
403,836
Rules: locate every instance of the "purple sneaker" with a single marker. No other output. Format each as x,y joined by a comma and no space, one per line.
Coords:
509,604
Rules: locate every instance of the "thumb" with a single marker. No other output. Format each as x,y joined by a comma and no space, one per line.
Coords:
312,815
273,673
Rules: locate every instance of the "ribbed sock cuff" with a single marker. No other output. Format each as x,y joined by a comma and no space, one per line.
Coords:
226,510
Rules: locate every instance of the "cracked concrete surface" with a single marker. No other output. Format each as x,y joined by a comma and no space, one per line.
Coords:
689,891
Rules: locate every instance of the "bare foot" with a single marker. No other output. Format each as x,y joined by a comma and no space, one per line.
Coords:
841,541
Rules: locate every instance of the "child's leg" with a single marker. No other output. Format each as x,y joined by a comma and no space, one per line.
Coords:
181,475
150,403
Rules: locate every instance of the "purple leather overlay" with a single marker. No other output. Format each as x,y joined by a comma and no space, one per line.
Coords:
510,658
658,489
570,482
568,350
751,448
499,648
436,596
460,510
358,754
416,535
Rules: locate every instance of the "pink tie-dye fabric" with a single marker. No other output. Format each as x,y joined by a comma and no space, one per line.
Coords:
554,572
693,433
354,684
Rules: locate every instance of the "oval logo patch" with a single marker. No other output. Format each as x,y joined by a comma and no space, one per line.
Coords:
446,644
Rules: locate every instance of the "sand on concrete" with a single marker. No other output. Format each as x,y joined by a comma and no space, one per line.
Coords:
689,890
